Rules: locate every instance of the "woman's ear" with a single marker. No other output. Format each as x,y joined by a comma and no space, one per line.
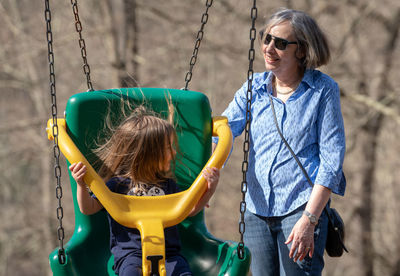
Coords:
301,56
300,52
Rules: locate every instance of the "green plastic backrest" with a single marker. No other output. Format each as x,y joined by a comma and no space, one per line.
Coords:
88,251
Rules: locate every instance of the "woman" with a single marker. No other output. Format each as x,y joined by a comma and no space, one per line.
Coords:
285,226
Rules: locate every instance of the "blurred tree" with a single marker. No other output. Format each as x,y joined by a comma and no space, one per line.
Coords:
365,63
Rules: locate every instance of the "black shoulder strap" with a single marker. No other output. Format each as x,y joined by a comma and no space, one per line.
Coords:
287,144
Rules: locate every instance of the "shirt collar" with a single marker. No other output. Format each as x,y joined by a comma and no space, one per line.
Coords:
309,77
266,80
263,82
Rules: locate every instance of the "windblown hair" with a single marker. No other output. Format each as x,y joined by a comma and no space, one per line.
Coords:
137,148
312,41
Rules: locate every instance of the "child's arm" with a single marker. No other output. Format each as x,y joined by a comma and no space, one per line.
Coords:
87,204
212,177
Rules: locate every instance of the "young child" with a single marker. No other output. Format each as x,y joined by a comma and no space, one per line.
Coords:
137,161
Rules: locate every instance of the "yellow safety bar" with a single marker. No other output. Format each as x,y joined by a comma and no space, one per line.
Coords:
148,214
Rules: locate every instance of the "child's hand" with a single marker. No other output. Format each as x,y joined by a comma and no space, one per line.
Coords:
212,177
78,171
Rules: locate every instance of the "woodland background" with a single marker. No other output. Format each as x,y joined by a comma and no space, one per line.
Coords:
149,43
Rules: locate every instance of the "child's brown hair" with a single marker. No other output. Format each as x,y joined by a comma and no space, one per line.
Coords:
137,148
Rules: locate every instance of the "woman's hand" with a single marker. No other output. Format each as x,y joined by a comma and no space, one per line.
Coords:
302,239
302,235
212,177
78,171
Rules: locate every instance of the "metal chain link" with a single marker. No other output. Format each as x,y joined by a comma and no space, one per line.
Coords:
56,149
82,45
200,34
246,143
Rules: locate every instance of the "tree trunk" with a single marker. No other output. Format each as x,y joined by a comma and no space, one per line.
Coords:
369,142
131,45
369,145
122,40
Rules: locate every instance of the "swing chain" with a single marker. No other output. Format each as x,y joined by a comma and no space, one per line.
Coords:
82,45
246,143
200,34
56,149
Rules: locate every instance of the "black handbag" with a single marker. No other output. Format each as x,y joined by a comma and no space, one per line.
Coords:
336,233
335,240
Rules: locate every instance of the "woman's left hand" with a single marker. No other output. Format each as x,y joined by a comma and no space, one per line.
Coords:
212,177
302,239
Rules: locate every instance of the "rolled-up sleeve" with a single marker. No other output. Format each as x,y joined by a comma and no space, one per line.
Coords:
331,140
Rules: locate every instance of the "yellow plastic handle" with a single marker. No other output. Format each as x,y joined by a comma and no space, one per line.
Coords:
148,214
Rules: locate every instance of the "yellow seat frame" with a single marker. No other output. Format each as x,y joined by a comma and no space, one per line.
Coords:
148,214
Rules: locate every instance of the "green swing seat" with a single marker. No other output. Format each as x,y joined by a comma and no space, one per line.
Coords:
87,252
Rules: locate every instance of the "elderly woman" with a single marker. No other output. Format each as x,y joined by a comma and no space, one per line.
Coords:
285,227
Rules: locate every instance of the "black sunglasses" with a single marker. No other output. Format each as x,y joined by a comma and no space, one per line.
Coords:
280,43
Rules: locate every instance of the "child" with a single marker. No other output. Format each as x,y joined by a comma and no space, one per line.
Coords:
137,161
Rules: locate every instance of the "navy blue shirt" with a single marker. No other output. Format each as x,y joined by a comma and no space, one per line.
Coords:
126,241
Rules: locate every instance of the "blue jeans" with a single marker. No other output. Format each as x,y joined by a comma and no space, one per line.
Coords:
265,238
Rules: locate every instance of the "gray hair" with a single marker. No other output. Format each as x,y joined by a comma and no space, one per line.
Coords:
311,40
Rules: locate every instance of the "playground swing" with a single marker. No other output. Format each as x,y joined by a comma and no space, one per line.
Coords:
87,252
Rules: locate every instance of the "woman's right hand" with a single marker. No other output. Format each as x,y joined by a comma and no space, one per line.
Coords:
78,171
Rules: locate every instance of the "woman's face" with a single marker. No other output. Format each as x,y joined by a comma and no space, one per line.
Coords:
281,62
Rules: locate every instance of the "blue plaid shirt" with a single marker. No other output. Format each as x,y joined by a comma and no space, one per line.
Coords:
311,122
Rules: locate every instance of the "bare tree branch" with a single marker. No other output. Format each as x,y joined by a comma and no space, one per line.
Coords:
377,106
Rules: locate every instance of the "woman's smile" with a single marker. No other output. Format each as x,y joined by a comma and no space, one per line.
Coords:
271,60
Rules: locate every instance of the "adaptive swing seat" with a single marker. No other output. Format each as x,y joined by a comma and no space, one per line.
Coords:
87,252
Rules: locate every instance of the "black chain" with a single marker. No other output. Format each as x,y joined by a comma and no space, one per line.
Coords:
56,149
82,45
246,143
200,34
